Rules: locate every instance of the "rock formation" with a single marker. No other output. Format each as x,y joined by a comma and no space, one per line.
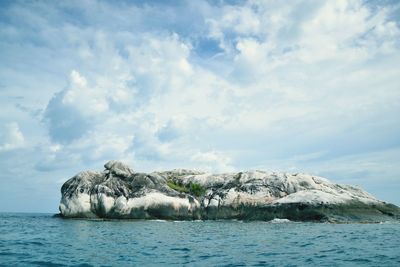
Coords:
120,193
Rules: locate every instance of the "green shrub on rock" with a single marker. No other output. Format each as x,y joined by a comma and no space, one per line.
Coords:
177,187
197,189
191,188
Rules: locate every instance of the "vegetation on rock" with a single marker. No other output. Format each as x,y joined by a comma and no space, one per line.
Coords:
192,188
177,187
197,189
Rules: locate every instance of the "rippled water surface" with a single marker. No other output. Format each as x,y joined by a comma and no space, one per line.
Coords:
41,240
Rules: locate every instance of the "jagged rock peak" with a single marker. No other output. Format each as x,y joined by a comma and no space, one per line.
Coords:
118,168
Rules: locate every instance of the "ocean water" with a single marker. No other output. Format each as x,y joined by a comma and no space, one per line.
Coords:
41,240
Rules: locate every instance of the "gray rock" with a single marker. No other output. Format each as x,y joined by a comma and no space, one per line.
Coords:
117,168
119,192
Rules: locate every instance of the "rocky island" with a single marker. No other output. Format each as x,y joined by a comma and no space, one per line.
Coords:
120,193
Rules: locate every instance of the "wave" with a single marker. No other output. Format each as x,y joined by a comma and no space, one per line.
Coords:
278,220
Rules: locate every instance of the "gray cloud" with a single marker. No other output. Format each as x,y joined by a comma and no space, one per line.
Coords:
65,123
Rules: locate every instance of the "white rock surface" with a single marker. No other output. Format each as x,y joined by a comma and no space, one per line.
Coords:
259,187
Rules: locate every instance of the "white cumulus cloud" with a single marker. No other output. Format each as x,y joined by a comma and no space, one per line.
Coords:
11,137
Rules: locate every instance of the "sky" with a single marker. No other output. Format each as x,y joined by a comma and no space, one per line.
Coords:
299,86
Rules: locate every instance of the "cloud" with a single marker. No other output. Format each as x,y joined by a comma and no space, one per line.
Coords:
159,97
12,137
213,161
147,110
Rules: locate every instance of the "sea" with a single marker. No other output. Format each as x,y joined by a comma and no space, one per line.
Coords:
44,240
